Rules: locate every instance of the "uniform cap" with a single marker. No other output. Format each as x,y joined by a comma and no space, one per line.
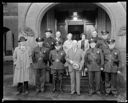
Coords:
39,39
104,32
111,41
22,38
92,41
48,30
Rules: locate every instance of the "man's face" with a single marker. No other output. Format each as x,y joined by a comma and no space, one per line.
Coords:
94,34
111,46
92,45
104,36
58,34
83,37
69,36
40,44
48,34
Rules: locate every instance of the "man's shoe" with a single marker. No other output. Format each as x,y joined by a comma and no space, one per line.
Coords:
78,94
61,91
38,90
72,93
42,90
98,93
106,94
26,93
18,93
54,89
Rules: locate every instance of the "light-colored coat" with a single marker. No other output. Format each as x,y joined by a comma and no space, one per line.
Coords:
22,61
77,57
67,45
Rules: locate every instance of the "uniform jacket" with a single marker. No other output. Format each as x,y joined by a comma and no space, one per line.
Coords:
49,43
84,45
40,57
112,60
57,59
77,57
94,59
102,44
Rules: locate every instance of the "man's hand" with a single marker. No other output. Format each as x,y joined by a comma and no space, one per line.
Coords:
71,62
86,69
101,69
118,72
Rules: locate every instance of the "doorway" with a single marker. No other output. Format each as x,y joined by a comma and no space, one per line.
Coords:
76,30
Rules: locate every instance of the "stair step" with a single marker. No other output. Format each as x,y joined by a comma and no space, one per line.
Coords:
67,88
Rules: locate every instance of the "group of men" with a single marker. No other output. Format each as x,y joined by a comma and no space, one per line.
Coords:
101,60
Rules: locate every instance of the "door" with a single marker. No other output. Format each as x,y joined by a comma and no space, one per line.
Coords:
76,30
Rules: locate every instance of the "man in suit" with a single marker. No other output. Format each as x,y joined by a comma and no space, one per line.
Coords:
57,58
40,58
75,60
94,62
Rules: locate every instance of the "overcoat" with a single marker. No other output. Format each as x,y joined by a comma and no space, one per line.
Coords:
22,61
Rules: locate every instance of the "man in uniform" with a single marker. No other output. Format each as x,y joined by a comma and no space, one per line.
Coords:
103,45
57,58
40,58
94,62
112,67
49,42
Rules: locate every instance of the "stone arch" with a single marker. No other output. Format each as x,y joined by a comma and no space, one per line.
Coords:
39,9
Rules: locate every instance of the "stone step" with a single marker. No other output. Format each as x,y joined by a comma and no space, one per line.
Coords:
67,88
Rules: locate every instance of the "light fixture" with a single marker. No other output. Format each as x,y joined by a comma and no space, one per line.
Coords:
75,16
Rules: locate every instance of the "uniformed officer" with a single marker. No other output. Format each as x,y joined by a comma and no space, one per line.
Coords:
103,45
57,58
112,67
49,42
40,58
94,62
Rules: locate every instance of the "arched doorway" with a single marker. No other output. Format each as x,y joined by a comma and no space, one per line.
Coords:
39,10
90,17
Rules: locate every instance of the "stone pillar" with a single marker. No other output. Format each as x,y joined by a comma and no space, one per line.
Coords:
51,21
101,21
